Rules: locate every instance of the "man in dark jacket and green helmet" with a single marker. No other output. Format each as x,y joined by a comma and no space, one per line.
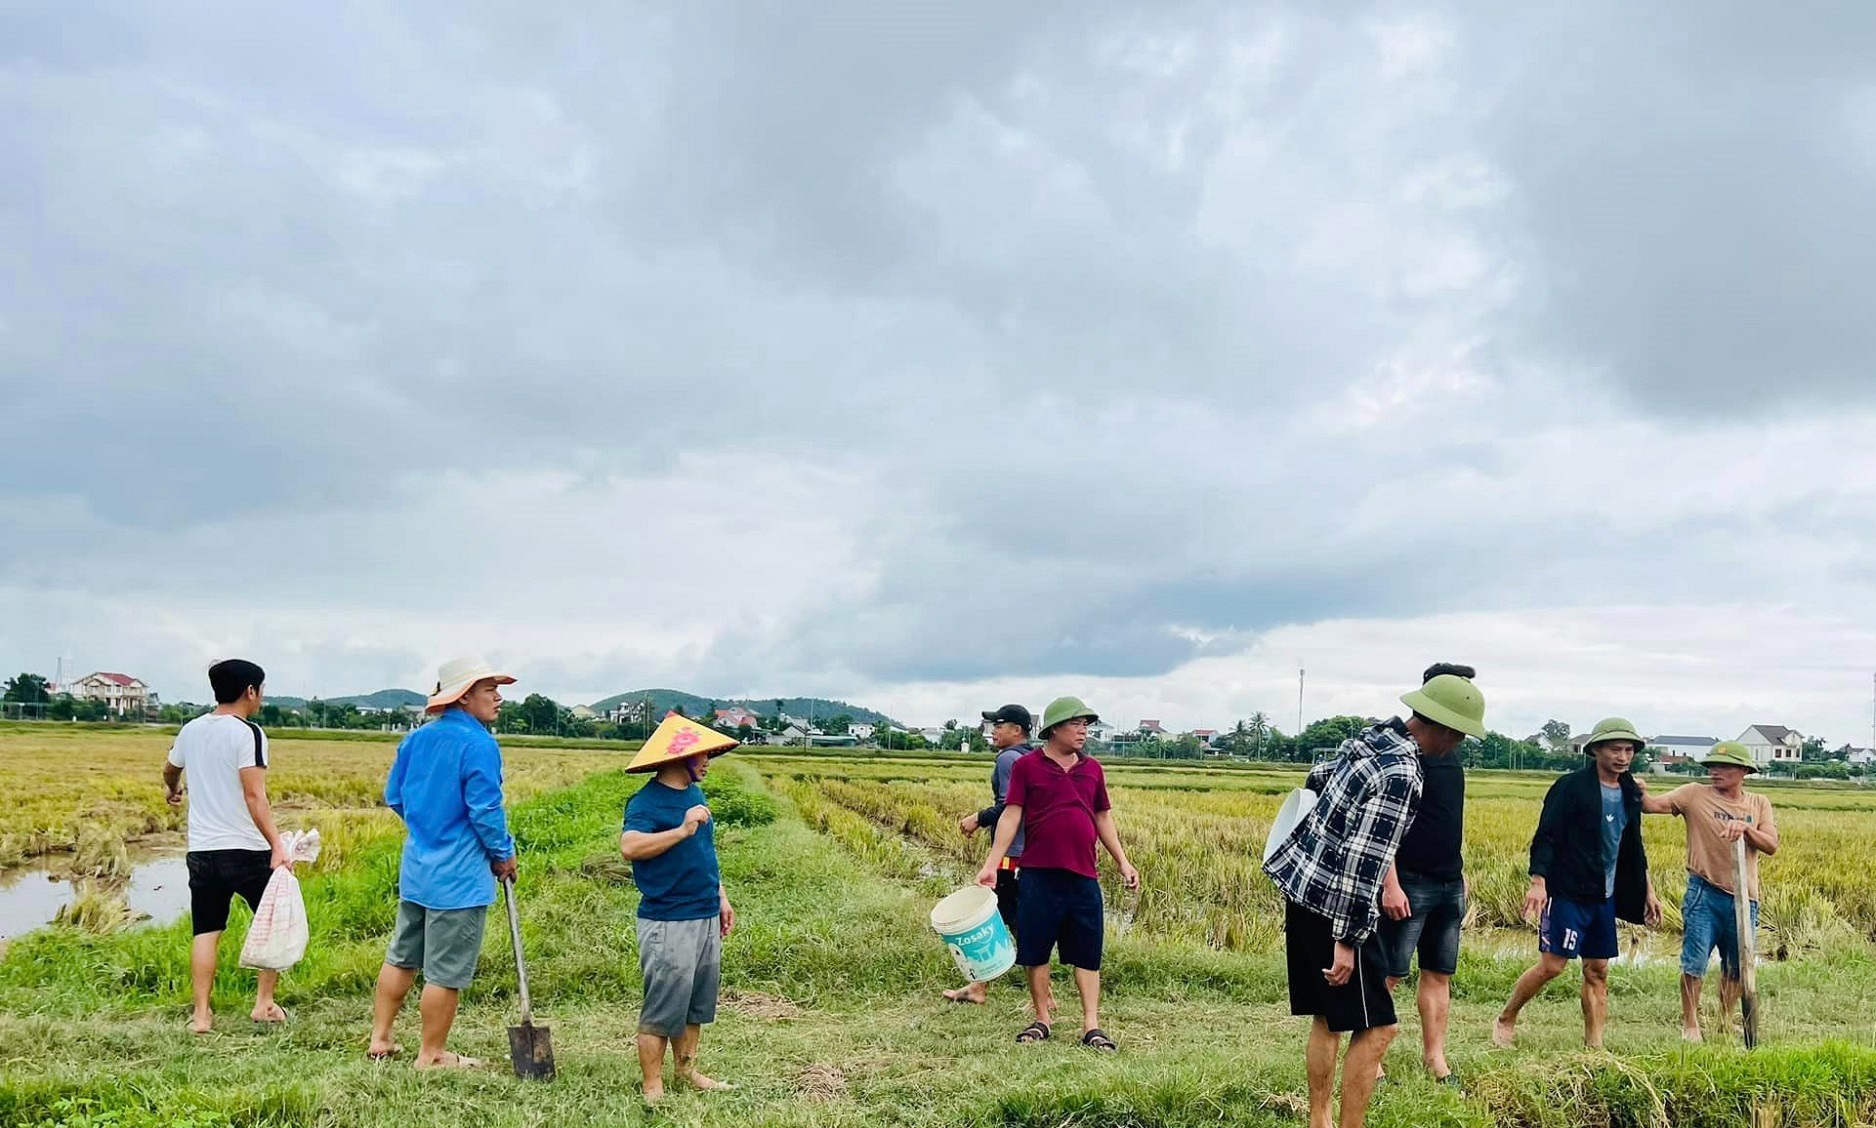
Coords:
1587,869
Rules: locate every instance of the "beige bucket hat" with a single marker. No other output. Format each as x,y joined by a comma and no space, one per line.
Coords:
455,678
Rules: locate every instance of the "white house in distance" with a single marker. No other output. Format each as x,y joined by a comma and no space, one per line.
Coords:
1152,730
121,693
1773,744
860,730
1680,749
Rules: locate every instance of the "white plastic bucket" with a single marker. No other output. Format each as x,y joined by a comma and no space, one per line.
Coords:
969,924
1295,808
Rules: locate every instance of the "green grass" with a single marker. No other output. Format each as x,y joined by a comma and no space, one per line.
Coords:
831,1015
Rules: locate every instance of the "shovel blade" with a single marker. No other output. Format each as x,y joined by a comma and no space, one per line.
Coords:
532,1048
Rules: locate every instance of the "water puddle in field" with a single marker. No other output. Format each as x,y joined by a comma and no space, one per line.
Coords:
157,891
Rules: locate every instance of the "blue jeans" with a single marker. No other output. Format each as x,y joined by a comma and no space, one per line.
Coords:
1708,914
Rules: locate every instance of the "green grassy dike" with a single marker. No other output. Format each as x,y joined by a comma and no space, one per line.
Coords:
831,1017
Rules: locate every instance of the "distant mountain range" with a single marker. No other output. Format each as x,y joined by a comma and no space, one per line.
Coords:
812,708
662,702
383,699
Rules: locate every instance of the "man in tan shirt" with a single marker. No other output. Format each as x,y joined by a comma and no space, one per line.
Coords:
1716,816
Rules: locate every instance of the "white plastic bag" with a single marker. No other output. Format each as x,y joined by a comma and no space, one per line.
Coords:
277,938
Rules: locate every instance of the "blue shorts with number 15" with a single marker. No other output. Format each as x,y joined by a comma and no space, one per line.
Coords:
1578,929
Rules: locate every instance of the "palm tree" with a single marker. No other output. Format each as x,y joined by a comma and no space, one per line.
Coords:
1259,728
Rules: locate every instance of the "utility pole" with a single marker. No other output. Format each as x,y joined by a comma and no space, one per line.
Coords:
1299,699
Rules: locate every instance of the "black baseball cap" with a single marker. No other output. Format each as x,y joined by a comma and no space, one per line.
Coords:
1014,715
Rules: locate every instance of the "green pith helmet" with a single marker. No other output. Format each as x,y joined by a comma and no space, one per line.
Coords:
1613,728
1732,754
1065,709
1452,701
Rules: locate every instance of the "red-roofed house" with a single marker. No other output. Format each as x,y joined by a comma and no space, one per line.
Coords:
1151,728
121,693
736,717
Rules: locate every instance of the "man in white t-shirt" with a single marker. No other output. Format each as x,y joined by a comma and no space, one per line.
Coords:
233,845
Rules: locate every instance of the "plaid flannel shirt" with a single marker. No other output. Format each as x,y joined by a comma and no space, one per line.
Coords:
1335,860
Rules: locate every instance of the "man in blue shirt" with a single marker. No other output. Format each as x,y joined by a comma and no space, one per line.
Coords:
684,915
446,784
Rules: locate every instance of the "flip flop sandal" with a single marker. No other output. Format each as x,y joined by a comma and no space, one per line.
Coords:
1098,1039
460,1061
1451,1080
1034,1032
284,1018
383,1055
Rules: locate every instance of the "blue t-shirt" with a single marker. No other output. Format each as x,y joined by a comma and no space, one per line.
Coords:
1614,822
682,883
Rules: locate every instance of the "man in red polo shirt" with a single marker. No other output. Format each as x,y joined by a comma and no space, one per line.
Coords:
1058,796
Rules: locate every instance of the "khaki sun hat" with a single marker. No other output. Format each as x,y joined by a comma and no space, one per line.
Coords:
1613,728
1732,754
456,677
679,738
1065,709
1452,701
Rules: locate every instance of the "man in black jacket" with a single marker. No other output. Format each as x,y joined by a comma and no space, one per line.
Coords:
1423,897
1587,868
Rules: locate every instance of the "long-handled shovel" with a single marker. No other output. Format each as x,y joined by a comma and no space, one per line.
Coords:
531,1046
1748,947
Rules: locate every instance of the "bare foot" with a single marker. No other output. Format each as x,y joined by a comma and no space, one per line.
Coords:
272,1013
975,993
654,1093
1691,1034
1503,1032
707,1084
382,1051
447,1060
201,1023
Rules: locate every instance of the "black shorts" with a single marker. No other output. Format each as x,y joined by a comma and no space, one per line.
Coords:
1007,899
216,877
1058,908
1436,908
1309,946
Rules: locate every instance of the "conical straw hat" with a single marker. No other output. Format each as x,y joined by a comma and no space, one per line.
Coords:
678,738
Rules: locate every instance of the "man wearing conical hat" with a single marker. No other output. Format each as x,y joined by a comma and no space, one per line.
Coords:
1058,798
446,784
1588,868
684,914
1717,815
1331,869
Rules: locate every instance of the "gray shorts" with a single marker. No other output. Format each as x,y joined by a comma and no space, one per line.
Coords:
681,962
445,943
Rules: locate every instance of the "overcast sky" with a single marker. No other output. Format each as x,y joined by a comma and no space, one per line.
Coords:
933,354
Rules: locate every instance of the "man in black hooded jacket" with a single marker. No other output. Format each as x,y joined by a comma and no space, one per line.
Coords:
1588,868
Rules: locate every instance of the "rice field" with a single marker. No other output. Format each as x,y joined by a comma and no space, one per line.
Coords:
831,1012
87,793
1197,835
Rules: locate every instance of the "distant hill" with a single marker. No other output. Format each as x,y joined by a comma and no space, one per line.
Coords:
664,700
383,699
